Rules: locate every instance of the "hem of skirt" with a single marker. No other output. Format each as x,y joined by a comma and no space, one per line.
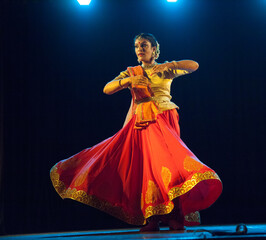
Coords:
93,201
118,212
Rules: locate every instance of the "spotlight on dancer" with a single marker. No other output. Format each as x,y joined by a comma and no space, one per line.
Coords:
84,2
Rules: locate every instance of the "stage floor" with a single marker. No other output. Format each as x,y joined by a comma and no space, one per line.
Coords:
248,231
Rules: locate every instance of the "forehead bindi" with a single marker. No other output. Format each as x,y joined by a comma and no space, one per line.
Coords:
141,41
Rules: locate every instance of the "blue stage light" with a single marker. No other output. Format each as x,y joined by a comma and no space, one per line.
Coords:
84,2
171,0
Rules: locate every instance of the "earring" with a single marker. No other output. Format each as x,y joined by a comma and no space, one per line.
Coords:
153,54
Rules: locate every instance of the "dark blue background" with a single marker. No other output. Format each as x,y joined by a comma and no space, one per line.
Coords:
56,57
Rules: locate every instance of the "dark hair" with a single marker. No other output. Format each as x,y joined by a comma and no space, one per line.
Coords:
152,40
147,36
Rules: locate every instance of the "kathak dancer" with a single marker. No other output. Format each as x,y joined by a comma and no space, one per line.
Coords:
144,174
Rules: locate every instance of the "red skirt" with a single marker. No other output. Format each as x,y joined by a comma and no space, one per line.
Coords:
136,174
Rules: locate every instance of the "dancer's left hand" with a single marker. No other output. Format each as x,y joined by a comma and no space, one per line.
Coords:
160,68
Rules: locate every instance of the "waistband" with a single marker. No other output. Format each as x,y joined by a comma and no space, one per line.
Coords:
159,99
144,100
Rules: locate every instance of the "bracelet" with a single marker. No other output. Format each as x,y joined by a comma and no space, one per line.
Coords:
120,83
175,64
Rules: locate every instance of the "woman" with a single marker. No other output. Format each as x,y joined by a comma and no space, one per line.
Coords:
144,174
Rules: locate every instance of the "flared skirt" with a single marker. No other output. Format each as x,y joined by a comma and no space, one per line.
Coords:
136,174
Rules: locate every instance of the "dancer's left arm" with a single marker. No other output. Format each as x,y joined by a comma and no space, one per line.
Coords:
187,65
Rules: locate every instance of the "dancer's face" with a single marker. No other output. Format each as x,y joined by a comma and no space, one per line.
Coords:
144,50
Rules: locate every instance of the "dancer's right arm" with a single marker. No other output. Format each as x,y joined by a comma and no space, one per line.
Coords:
119,84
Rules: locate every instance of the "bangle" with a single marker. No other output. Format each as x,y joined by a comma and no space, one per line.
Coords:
175,64
120,83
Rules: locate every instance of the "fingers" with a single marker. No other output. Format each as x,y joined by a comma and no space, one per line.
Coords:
158,69
142,78
139,80
154,72
143,81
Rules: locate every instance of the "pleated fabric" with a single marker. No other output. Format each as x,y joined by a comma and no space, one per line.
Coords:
136,174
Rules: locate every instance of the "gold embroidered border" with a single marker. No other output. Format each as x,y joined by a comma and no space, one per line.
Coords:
93,201
117,211
189,184
160,209
177,192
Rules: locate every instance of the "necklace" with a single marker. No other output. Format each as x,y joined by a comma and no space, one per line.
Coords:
149,65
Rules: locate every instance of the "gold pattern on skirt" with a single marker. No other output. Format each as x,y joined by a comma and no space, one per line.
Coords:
153,193
193,217
93,201
190,164
58,185
166,176
81,178
117,211
189,184
70,163
160,209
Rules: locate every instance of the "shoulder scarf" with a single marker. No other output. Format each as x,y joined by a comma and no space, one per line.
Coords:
146,108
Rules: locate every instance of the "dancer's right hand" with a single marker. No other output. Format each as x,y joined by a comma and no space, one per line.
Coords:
139,80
